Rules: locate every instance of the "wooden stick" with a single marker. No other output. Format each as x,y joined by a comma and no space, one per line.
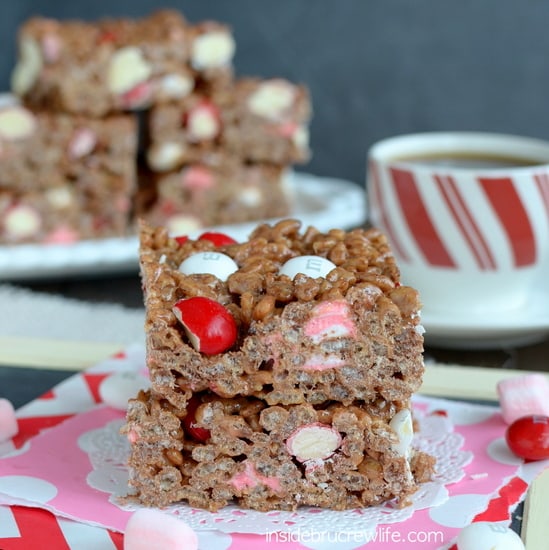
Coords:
53,354
465,382
535,524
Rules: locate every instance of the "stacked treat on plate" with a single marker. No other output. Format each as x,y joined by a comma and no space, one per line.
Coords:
282,370
206,149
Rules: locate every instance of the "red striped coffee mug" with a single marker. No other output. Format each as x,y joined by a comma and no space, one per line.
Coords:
467,215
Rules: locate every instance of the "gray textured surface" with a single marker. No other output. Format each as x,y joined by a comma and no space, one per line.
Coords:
376,68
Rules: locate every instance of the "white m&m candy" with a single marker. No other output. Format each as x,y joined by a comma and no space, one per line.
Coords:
484,535
214,263
312,266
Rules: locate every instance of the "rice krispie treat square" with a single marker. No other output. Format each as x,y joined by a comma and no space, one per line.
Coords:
252,119
95,68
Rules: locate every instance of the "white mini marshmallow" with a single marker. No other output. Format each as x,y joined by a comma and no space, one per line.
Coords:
8,421
152,528
176,86
165,156
402,425
127,68
484,535
202,124
22,221
312,266
118,388
212,49
214,263
272,99
28,67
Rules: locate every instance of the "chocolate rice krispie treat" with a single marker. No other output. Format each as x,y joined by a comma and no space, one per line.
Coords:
95,68
224,191
65,178
282,370
252,119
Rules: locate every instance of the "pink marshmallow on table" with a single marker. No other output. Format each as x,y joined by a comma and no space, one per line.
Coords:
151,528
8,421
523,395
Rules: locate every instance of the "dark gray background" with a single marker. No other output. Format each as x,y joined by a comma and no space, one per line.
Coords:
375,68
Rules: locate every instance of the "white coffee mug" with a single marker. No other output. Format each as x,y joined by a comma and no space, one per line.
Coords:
467,215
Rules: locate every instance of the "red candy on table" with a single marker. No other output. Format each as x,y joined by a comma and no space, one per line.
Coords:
210,326
528,437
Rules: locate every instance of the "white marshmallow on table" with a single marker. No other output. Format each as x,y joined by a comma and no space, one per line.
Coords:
8,421
484,535
214,263
118,388
403,426
312,266
150,528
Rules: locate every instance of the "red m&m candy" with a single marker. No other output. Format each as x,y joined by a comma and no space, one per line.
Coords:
528,437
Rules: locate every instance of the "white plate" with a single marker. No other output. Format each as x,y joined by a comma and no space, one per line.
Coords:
519,327
323,202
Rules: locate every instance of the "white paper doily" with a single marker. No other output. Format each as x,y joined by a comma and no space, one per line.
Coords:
108,452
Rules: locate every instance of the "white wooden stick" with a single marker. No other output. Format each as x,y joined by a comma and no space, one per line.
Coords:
53,354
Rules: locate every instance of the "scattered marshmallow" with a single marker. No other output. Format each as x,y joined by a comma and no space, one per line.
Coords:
523,395
151,528
8,421
118,388
484,535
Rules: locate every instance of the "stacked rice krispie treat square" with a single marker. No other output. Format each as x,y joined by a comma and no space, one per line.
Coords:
247,130
282,370
223,157
165,89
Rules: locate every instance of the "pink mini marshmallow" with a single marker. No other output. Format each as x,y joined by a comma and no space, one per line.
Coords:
8,421
250,477
523,395
51,47
151,528
197,177
330,319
